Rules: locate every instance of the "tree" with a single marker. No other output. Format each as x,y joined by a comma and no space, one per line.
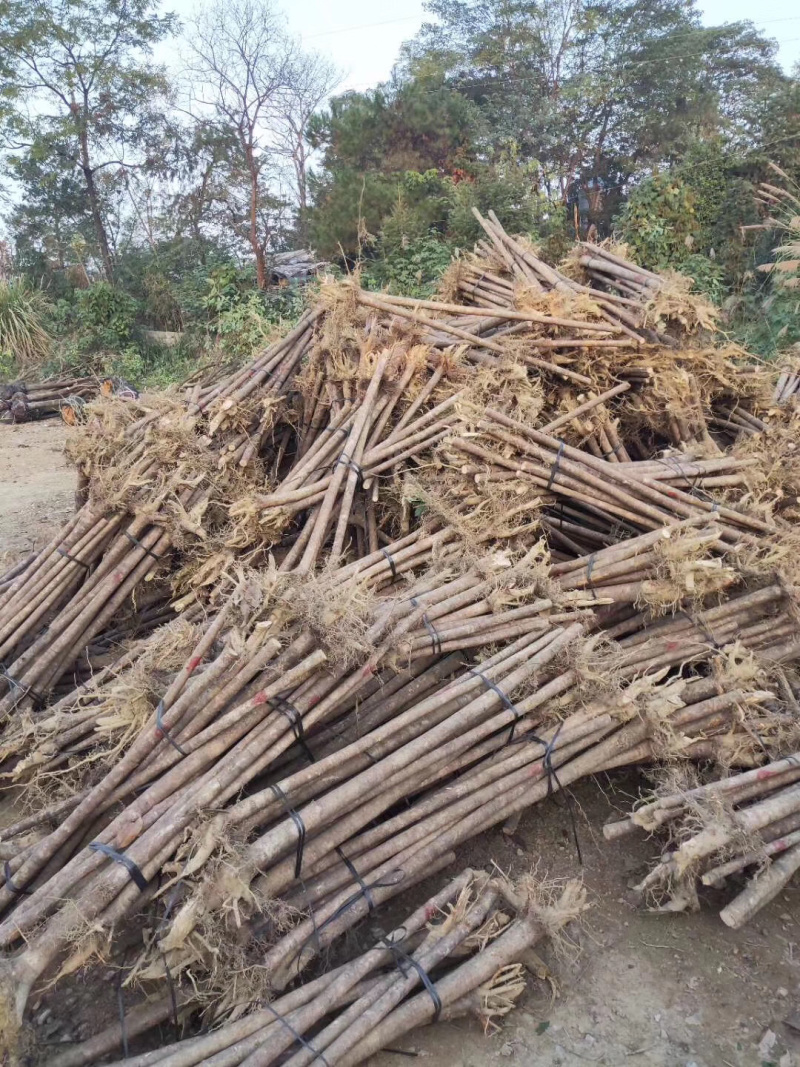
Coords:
595,92
50,218
370,141
244,68
80,84
311,83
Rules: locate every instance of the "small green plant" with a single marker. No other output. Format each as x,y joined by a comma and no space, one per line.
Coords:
24,340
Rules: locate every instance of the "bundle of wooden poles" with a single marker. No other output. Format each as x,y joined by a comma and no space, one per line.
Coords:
746,821
321,619
463,952
25,401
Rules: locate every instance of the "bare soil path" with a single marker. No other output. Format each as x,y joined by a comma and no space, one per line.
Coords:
636,989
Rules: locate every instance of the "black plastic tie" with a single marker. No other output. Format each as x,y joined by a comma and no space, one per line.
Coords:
507,702
9,883
297,1036
556,463
73,559
388,555
138,544
433,633
352,466
122,1024
288,709
162,729
357,878
393,878
401,958
133,870
298,822
22,687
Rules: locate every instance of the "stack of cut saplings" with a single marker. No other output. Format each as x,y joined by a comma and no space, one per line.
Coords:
429,562
24,401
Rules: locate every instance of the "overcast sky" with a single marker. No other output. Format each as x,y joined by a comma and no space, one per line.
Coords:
363,37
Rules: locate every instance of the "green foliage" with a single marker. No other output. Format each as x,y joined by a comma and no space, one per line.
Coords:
708,276
243,317
659,221
596,92
766,323
105,316
243,328
384,152
412,269
24,341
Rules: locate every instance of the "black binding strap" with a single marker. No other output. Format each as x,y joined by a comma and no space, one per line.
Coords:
119,857
391,562
9,884
173,1000
288,709
402,958
297,820
164,731
615,451
122,1024
351,465
138,544
297,1036
357,878
547,758
589,568
556,463
507,703
73,559
547,763
393,878
22,687
433,633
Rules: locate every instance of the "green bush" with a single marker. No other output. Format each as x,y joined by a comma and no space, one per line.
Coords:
413,269
659,222
101,317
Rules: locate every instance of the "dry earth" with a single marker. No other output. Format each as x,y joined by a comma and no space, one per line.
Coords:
633,988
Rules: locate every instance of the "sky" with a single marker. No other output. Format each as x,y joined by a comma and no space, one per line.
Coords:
363,37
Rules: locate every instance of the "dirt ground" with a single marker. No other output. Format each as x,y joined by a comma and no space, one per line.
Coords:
36,487
634,988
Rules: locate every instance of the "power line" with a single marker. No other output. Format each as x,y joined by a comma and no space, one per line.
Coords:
516,80
360,26
414,18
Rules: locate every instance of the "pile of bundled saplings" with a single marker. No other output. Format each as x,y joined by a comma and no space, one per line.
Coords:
320,620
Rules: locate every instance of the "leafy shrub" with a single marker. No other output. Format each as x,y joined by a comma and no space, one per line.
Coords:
103,317
659,221
243,317
411,270
708,275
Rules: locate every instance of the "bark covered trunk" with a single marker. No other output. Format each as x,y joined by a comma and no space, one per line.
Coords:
258,251
94,203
